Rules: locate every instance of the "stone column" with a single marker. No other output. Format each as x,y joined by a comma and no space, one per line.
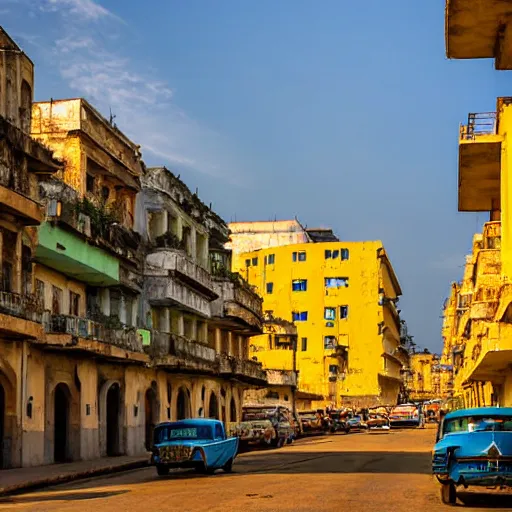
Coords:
230,343
104,295
218,340
165,320
17,264
241,347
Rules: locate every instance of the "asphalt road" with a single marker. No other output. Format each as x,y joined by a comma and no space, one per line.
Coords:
360,472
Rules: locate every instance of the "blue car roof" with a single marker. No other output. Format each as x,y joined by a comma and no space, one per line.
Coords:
190,421
479,411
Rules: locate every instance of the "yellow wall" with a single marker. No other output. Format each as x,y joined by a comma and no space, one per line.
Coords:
367,374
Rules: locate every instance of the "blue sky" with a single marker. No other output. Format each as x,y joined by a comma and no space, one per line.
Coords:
344,116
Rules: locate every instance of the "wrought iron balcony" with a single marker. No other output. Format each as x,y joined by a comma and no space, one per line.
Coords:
122,337
482,123
21,306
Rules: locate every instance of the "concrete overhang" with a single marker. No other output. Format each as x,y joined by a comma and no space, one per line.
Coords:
479,173
479,29
492,366
101,349
24,209
15,327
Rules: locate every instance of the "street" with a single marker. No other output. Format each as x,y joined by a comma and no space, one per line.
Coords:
364,472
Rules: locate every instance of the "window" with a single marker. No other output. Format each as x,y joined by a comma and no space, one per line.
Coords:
254,262
270,287
301,316
40,292
336,282
105,193
299,256
333,369
344,254
247,263
74,303
271,259
218,431
343,311
299,285
329,342
335,254
330,313
56,300
304,344
286,398
90,183
328,254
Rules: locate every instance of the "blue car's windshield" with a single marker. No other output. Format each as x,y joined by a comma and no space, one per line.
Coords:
181,433
478,424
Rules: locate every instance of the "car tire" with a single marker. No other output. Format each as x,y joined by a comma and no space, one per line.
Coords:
448,494
162,470
228,467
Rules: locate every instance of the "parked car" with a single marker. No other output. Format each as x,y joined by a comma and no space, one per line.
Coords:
356,424
406,415
339,422
296,426
473,448
198,443
263,425
378,422
313,422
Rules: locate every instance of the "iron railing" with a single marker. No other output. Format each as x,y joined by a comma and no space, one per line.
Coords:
482,123
22,306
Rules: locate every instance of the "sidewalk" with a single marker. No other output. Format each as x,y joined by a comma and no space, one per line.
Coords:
24,479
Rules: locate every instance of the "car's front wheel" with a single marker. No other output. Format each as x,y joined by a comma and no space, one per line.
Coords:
162,470
448,494
228,467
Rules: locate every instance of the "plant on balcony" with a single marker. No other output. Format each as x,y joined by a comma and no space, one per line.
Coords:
170,241
102,216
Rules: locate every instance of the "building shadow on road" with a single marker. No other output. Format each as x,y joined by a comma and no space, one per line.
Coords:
486,500
62,496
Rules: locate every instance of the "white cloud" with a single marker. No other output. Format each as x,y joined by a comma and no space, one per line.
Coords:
87,9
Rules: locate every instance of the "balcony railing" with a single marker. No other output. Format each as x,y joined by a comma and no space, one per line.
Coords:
168,344
177,261
125,338
243,368
21,306
482,123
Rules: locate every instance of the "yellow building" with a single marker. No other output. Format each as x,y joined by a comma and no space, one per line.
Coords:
342,297
428,377
276,349
477,329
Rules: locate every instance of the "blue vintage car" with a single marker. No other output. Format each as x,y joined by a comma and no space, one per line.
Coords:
473,448
195,443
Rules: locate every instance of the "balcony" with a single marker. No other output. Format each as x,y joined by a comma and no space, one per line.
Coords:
476,30
176,263
82,334
479,163
73,256
177,352
238,306
282,378
243,369
171,291
20,316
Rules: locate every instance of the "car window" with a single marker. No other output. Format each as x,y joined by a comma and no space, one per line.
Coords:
218,431
496,423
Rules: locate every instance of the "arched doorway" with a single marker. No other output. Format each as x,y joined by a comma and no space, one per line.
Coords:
213,408
2,424
151,416
182,405
61,411
232,410
113,409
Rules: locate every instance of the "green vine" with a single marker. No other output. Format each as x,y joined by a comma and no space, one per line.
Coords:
102,216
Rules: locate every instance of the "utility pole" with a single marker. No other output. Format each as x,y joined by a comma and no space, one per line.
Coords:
294,366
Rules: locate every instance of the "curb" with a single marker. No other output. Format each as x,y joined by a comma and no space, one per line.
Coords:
71,477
